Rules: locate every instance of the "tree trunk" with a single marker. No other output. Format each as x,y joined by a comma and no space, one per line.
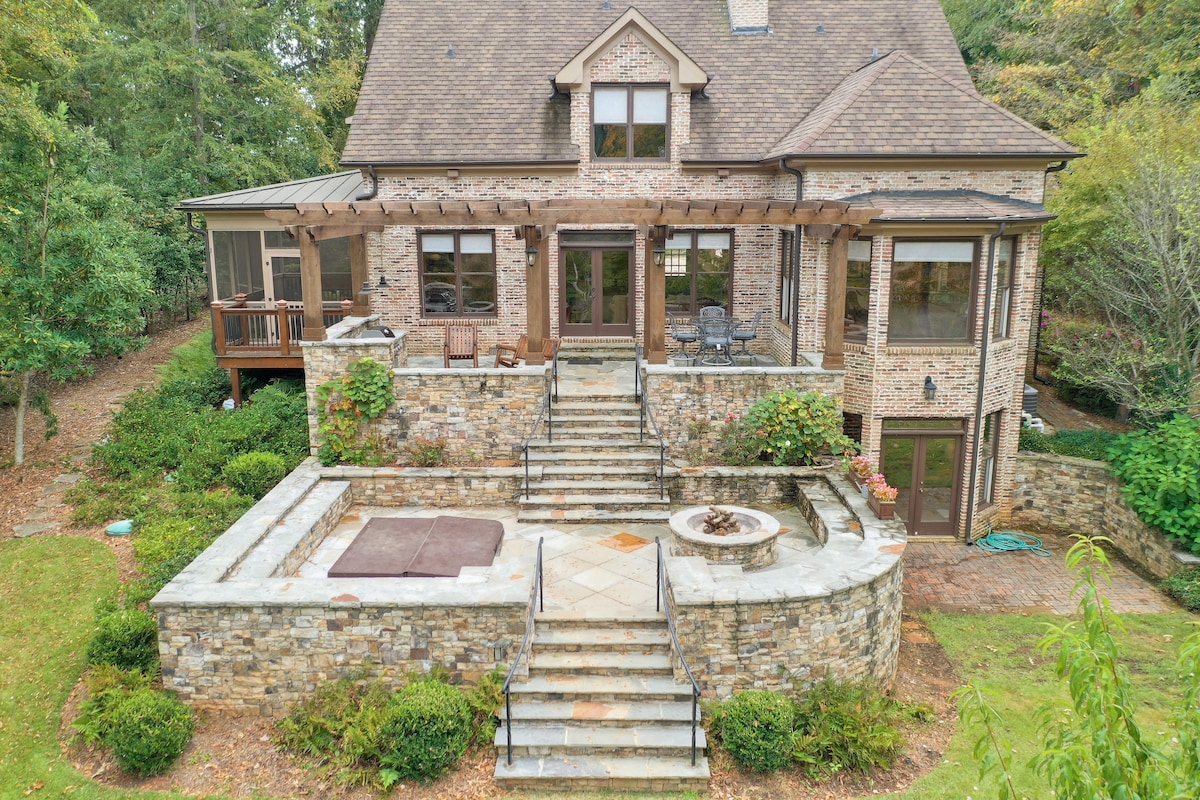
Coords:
197,96
19,424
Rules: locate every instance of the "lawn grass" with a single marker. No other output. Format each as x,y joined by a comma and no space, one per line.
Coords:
49,587
1000,654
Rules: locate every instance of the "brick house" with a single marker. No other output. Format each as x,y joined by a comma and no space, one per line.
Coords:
591,170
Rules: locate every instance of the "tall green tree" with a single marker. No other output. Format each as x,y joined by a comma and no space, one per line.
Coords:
71,284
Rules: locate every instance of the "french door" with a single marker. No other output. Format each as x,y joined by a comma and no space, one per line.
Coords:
922,458
597,284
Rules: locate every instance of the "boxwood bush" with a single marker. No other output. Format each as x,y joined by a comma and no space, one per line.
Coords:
148,731
427,730
756,728
126,639
254,474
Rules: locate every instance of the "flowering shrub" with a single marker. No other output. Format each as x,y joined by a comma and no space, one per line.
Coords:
736,444
424,452
796,429
877,485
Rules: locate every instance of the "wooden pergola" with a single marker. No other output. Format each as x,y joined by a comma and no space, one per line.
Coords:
312,223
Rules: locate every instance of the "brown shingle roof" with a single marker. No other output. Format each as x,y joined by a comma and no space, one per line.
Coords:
947,205
899,106
490,101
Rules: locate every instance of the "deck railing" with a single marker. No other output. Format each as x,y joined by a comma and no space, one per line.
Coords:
661,604
255,328
537,602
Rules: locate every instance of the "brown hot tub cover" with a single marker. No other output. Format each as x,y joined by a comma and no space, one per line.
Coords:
411,547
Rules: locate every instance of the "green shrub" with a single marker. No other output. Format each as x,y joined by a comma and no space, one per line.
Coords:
1160,474
756,728
254,474
737,446
485,699
846,726
148,731
1032,440
1184,586
126,639
100,502
427,731
345,405
107,688
423,452
1075,444
795,428
151,434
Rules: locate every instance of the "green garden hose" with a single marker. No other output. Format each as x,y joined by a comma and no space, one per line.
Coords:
1006,541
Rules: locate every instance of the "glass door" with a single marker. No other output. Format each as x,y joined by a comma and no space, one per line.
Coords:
597,284
923,460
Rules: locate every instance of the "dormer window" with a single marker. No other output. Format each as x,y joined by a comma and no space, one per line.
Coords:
629,123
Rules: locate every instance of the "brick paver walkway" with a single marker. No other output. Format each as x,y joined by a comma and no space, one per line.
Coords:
956,577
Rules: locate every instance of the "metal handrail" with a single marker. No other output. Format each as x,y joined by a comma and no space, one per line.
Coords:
645,411
547,413
539,594
660,604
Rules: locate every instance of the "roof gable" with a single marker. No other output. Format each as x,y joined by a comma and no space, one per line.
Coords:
899,106
686,74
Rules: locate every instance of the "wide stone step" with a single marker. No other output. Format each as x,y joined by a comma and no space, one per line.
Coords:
597,501
574,640
621,714
573,739
595,773
601,688
567,619
596,471
587,484
596,663
607,431
634,456
588,516
596,405
617,445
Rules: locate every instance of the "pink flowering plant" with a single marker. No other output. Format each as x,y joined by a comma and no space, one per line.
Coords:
878,486
860,466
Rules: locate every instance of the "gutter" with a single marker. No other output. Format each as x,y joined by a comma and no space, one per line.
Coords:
983,355
374,190
797,246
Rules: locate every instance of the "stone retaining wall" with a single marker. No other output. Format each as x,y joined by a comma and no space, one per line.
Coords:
835,612
679,394
433,487
1078,495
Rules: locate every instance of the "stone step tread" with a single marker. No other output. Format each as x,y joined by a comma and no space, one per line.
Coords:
556,456
590,441
596,637
601,685
576,416
635,663
581,515
592,736
586,711
564,619
612,485
594,470
651,499
555,768
597,404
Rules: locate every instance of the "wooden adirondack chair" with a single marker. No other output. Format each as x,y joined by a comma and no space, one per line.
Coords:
509,355
462,342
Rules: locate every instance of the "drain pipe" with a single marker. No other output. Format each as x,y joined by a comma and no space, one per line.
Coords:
374,190
983,356
797,246
1041,288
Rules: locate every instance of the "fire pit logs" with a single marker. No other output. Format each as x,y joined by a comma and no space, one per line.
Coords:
721,522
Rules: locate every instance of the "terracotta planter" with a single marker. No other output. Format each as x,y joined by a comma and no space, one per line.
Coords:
881,509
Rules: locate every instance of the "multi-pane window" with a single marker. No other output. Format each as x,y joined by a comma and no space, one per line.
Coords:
1003,288
989,444
931,291
858,289
786,242
630,122
458,273
697,267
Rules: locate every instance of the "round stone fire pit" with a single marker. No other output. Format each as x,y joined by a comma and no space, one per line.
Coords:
753,546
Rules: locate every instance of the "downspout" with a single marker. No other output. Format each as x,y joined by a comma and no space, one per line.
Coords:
187,313
983,355
797,246
374,190
1037,314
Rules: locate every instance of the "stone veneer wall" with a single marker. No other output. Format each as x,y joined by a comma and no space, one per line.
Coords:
1079,495
433,487
837,614
679,394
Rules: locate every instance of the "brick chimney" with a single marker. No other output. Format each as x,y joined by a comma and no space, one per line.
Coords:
748,16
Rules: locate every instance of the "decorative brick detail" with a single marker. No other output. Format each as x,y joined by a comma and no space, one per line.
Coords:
1079,495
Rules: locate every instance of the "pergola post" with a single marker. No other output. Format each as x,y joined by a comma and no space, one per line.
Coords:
835,300
359,274
537,296
655,317
310,288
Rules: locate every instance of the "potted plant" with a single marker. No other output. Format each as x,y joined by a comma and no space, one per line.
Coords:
880,496
858,469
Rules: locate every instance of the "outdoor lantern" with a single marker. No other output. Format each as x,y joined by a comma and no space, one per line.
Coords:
531,254
366,288
930,388
660,255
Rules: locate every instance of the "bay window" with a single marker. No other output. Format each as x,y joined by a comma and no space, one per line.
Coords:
931,291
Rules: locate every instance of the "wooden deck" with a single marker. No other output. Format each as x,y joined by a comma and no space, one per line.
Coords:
250,334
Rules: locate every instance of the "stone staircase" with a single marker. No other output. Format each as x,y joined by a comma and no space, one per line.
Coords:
596,469
601,710
597,350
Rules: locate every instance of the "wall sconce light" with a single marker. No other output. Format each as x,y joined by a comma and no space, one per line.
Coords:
660,255
930,388
531,254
